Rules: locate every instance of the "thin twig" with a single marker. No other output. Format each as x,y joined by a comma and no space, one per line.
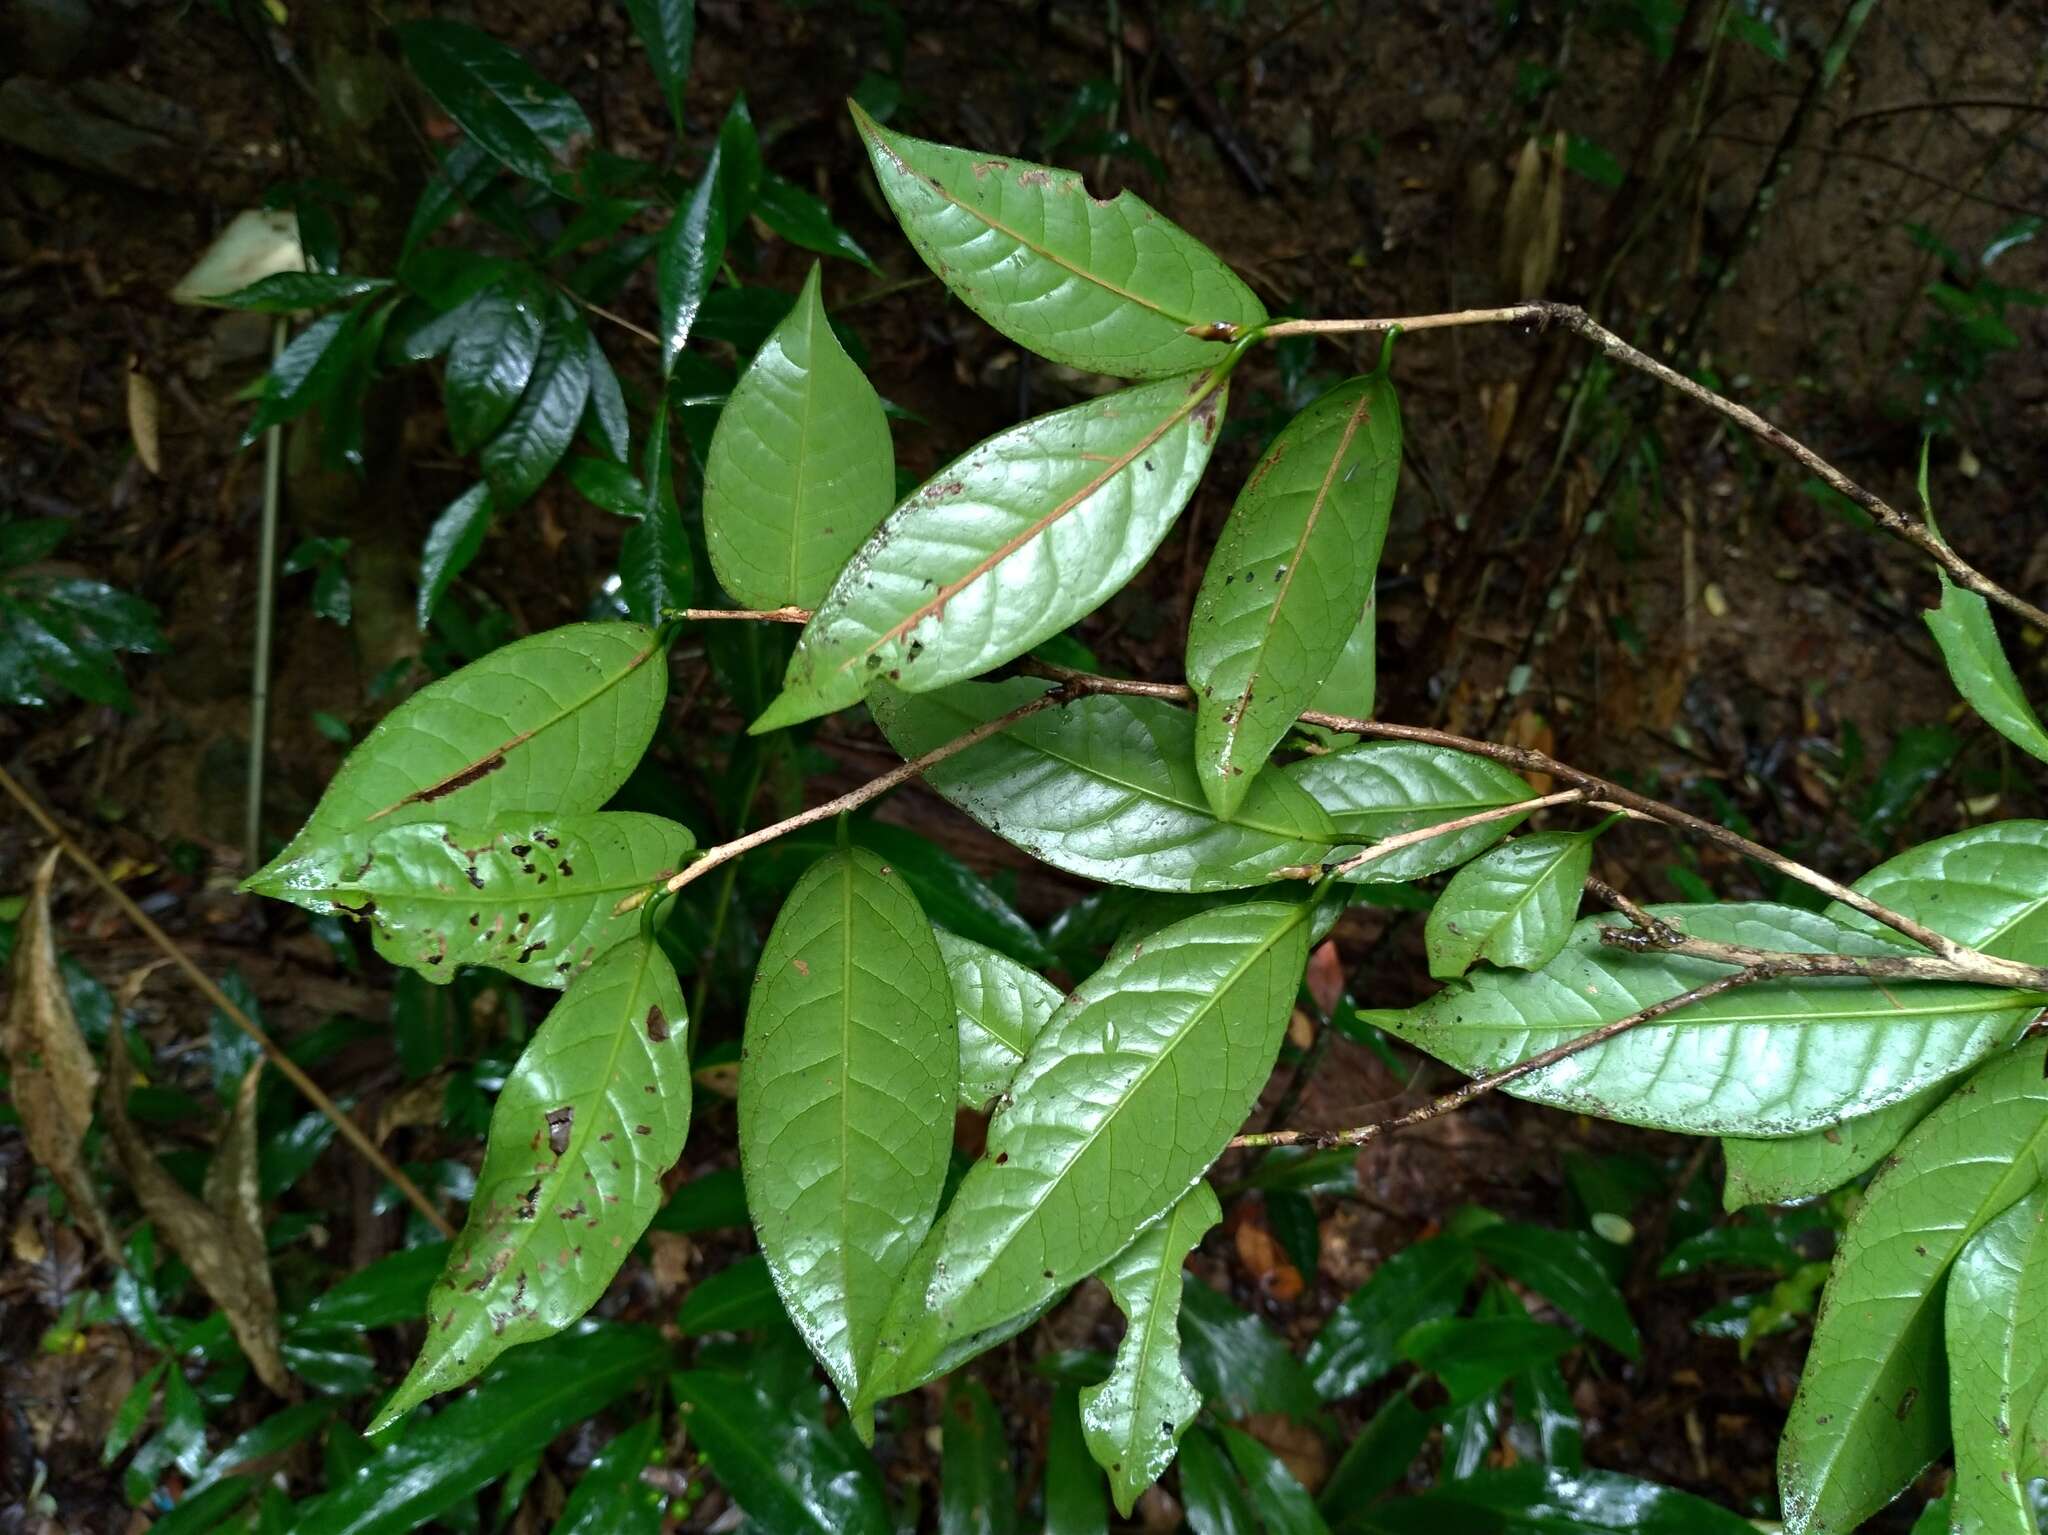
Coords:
1395,843
287,1067
757,615
1972,968
266,609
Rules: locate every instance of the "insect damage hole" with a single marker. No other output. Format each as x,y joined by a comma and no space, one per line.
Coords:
560,1122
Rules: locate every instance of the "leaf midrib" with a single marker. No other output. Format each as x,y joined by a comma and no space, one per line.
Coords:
1528,893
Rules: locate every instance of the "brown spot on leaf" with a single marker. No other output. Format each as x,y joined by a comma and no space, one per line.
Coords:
463,779
560,1121
657,1026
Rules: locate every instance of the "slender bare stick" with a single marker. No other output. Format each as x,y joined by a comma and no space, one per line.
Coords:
287,1067
1395,843
1973,968
758,615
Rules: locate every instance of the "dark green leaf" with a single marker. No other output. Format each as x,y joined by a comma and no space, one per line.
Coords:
806,222
389,1291
1543,1500
204,1511
1209,1490
1001,1006
493,95
1360,1342
284,292
265,1440
1376,1460
778,1460
490,362
656,564
1109,287
306,373
1977,665
715,1201
25,540
1236,1361
1987,887
607,412
1380,789
1074,1500
692,247
1512,906
977,1488
61,634
668,31
1475,1356
1546,1426
455,539
739,163
543,423
1998,1363
1771,1172
738,1298
1566,1269
1283,1504
609,1498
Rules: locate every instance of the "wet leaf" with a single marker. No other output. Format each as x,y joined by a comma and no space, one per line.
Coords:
493,94
801,467
806,222
557,719
1872,1405
1775,1172
1074,1492
1005,547
1380,789
1110,287
846,1102
289,292
1512,907
738,1298
543,422
657,568
1977,665
782,1465
390,1291
668,31
1546,1425
1361,1341
1001,1007
1214,1499
1237,1362
1104,787
1134,1420
1777,1058
1099,1138
1283,1505
1566,1269
491,360
1997,1341
1291,576
1353,683
1543,1500
1378,1458
606,415
51,1075
453,542
306,373
977,1486
534,896
591,1117
1475,1356
692,247
609,1498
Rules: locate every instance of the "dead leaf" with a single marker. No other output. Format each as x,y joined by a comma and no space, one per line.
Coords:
221,1240
1267,1263
51,1070
145,412
419,1104
1325,978
1299,1447
1519,216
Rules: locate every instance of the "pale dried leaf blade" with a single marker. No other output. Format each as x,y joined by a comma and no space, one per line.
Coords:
51,1073
237,1278
145,411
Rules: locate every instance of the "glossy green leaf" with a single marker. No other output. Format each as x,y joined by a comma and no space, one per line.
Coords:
805,222
453,542
534,896
846,1101
692,247
801,467
1978,666
1997,1341
493,95
738,1298
1777,1058
269,1437
739,162
390,1291
1378,1458
1290,579
202,1511
590,1118
1475,1356
289,292
1110,287
1543,1500
1773,1172
667,29
1236,1361
1075,1495
1001,1007
1283,1505
1546,1425
62,634
305,373
543,423
713,1201
609,1498
1987,887
1210,1492
522,1403
782,1465
556,720
1133,1421
607,413
977,1487
1512,906
1103,787
1360,1342
1566,1268
491,361
1353,683
1380,789
657,567
1129,1093
1872,1405
1005,547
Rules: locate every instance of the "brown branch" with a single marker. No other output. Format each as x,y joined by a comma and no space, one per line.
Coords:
287,1067
1395,843
1972,968
790,615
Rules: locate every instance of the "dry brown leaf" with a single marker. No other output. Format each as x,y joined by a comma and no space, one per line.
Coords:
419,1104
145,413
51,1070
1325,979
1519,216
1267,1263
1299,1447
221,1239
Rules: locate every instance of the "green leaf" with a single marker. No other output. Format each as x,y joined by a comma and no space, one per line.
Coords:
1214,1501
60,634
533,896
1986,887
1777,1058
543,423
1110,287
1361,1341
1001,1007
493,95
846,1102
1005,547
1546,1425
1997,1332
781,1464
1133,1421
1104,787
609,1498
490,362
1544,1500
1377,1459
519,1406
1354,681
1290,579
801,467
657,568
203,1511
692,247
1377,790
390,1291
806,222
455,539
1099,1139
555,720
288,292
713,1201
591,1117
1871,1410
607,412
739,162
738,1298
977,1487
1512,906
1284,1506
668,31
1475,1356
1564,1267
306,373
1236,1361
272,1436
1074,1493
1776,1172
1977,665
